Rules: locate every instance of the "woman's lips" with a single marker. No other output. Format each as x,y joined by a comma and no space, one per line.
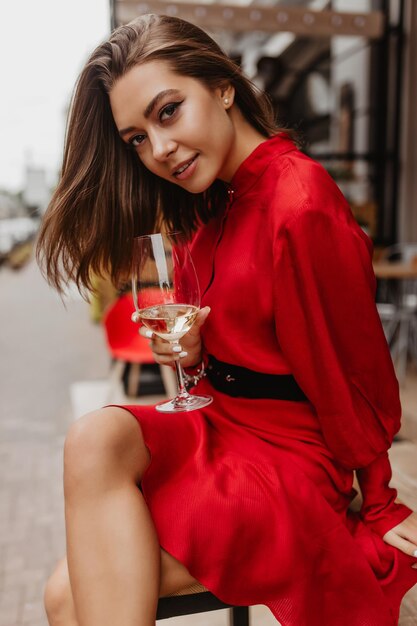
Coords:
189,170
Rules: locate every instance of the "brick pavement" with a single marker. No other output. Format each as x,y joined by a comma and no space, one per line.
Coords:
44,349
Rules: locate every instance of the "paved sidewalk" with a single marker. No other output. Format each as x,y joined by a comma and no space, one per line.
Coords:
44,349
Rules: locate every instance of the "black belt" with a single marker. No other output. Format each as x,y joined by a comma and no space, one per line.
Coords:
240,382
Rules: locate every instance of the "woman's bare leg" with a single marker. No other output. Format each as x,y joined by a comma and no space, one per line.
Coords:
114,557
59,602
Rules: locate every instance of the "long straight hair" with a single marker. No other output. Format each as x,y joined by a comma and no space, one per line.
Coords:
105,195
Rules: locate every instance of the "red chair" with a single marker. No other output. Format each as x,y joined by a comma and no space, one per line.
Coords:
126,345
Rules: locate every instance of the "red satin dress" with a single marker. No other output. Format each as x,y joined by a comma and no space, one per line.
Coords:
253,495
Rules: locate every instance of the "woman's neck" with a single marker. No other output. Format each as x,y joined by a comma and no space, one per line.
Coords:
246,140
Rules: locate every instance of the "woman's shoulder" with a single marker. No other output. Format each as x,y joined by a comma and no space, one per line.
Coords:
298,185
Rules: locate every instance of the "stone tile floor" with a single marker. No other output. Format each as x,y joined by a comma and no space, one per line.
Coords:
44,350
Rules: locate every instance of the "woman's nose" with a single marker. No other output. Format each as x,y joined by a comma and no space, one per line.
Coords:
162,147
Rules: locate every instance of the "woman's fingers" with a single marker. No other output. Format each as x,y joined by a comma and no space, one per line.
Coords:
199,321
165,352
394,539
165,348
163,359
404,536
145,332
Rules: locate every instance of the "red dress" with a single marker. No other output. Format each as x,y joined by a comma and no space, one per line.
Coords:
252,495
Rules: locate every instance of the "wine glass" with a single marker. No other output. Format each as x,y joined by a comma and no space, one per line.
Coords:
166,295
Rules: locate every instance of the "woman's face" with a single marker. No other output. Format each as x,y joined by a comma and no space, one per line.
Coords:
181,130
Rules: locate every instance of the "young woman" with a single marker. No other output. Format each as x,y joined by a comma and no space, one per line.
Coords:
250,495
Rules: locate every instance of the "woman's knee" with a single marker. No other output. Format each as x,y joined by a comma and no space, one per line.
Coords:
58,598
105,445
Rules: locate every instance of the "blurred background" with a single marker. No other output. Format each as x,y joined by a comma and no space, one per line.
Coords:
342,72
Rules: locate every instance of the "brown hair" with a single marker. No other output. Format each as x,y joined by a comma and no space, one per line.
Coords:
106,196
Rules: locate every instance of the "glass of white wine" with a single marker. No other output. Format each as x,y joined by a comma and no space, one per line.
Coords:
166,295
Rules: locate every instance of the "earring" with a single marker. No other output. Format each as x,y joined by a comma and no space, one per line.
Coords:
226,101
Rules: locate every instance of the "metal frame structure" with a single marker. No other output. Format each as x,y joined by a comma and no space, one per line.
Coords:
257,17
387,60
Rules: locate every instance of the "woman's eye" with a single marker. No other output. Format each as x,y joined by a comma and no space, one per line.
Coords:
137,140
168,111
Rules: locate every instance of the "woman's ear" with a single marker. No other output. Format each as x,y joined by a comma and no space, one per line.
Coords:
227,95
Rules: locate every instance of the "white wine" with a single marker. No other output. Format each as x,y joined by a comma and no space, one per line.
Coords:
169,321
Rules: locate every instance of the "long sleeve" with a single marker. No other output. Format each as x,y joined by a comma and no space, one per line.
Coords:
379,509
329,330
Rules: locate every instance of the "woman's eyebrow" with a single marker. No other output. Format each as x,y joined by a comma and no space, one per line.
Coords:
149,109
167,92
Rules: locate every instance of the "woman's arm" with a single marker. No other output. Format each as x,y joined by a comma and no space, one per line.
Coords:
379,506
329,329
393,521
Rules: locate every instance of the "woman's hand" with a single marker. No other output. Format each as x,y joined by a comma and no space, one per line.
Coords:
190,350
404,536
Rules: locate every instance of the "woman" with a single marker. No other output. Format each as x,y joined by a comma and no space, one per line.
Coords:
250,495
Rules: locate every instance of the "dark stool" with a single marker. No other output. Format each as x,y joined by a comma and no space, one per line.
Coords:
196,599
